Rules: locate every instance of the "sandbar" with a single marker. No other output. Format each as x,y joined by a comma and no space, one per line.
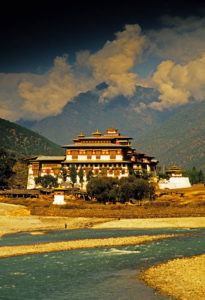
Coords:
12,224
182,278
7,251
186,222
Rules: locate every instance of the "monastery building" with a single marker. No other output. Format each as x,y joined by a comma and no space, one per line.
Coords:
109,154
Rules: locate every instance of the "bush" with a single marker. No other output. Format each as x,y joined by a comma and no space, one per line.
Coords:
113,190
104,189
47,181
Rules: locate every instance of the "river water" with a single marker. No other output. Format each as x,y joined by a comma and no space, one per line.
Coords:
104,273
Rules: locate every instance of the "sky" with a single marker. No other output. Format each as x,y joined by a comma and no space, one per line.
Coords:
53,51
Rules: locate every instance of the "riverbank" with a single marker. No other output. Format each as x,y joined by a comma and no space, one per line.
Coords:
182,278
12,224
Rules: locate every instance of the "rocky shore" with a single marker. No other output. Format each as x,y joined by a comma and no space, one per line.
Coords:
182,278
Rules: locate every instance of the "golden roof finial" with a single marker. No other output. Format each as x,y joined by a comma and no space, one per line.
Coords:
97,133
81,135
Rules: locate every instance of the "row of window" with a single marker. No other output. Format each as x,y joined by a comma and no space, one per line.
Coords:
108,165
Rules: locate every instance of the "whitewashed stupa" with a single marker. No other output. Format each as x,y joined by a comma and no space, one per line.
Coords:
175,181
59,196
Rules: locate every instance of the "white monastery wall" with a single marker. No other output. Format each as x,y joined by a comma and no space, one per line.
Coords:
105,157
68,157
175,183
31,181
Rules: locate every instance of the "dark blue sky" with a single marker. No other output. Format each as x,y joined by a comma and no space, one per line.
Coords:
44,65
33,34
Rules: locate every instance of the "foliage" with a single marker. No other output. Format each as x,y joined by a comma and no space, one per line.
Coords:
7,162
47,181
20,175
81,175
161,172
64,174
106,189
163,176
141,174
73,174
22,141
195,176
89,175
136,188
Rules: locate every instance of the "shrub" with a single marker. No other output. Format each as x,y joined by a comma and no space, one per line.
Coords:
47,181
103,189
106,189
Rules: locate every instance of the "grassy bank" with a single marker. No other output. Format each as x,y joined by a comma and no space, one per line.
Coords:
168,204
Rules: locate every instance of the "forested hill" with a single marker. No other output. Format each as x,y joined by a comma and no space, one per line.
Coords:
22,141
179,140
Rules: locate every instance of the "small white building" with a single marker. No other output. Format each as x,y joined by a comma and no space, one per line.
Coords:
175,181
59,196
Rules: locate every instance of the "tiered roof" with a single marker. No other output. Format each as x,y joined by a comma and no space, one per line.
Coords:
112,138
175,170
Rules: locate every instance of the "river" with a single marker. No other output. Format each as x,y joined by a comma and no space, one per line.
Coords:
103,273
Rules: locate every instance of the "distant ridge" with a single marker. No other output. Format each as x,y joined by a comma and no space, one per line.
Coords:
22,141
173,136
179,140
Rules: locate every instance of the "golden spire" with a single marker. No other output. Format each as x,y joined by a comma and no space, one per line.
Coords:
97,133
81,135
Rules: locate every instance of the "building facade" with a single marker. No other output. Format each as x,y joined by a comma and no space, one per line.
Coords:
109,154
176,179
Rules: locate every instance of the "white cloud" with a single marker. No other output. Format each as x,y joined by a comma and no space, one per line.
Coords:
113,64
177,83
39,96
180,43
60,87
11,104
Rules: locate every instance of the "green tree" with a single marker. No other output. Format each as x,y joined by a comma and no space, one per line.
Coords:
136,188
143,189
47,181
81,175
20,175
201,176
64,174
104,189
195,176
89,175
126,191
6,164
73,174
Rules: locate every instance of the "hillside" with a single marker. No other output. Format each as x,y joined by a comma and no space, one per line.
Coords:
179,140
173,136
22,141
85,114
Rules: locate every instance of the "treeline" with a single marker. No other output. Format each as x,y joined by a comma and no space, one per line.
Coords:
108,189
13,171
195,176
